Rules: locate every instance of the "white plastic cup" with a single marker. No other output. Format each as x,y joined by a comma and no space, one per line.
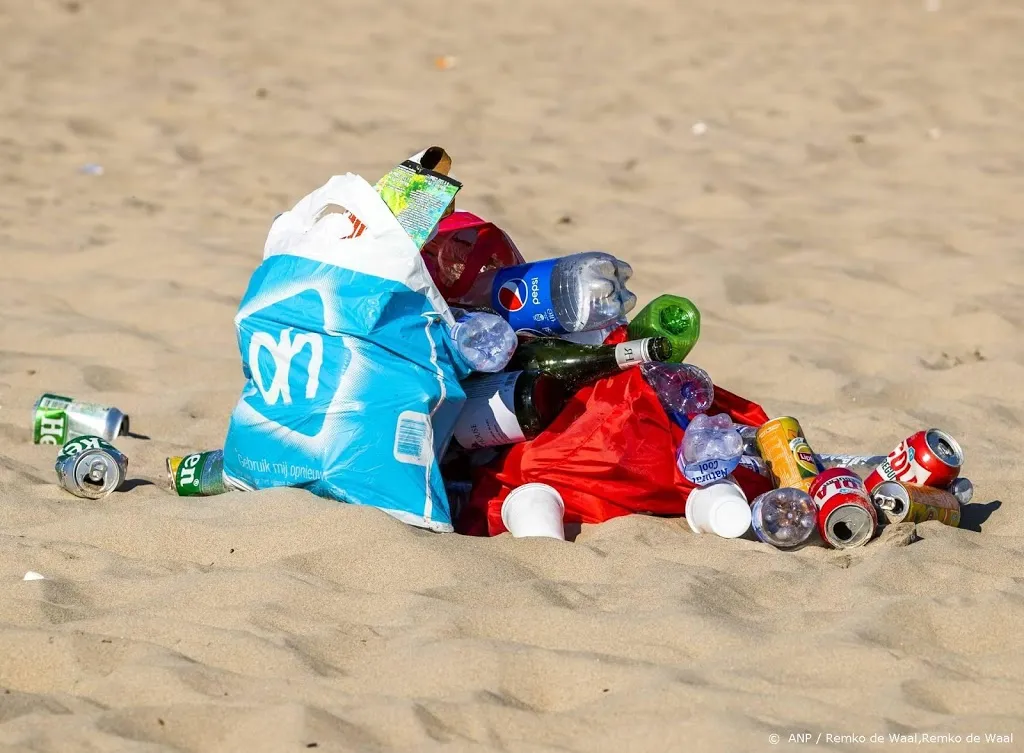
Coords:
534,510
720,508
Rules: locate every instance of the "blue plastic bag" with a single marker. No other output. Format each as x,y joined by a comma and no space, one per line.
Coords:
353,381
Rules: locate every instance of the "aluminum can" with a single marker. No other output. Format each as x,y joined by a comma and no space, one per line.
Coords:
962,489
901,502
929,458
57,419
90,467
790,459
200,474
846,516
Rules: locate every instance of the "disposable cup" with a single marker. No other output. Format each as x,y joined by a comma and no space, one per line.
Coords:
534,510
720,508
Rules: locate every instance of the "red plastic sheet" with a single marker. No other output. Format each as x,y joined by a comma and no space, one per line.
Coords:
611,452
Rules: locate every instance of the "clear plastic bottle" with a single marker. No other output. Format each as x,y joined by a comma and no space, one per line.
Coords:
485,340
784,517
574,293
710,450
683,389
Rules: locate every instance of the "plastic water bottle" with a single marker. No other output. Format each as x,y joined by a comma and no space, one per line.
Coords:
485,340
710,450
784,517
682,388
572,294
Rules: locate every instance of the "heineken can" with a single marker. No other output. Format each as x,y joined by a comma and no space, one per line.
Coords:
57,419
200,474
91,467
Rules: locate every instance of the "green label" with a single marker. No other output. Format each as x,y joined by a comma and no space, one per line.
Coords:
81,444
418,198
188,477
50,423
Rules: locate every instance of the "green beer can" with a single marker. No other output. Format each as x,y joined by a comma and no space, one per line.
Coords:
90,467
57,419
200,474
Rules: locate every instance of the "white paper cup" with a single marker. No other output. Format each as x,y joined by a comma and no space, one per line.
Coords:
534,510
720,508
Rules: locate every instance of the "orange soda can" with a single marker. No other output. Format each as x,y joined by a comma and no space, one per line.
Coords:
902,502
790,459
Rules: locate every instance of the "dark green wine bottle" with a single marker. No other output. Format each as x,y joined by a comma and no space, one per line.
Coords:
577,365
507,408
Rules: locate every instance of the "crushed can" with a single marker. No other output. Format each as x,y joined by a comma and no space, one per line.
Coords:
846,516
200,474
57,419
901,502
90,467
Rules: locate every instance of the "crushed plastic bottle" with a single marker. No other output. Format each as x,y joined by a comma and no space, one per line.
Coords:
485,340
571,294
784,517
683,389
710,450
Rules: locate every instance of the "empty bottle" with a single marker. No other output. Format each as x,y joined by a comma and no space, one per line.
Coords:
784,517
710,450
507,408
485,340
555,296
577,365
670,316
682,388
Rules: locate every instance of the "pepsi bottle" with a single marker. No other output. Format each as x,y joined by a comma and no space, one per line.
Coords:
557,296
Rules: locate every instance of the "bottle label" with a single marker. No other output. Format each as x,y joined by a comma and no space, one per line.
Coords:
522,294
708,471
489,418
50,422
633,353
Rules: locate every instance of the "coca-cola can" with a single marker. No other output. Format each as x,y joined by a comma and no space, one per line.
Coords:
928,458
846,517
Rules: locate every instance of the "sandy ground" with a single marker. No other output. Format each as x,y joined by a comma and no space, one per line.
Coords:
848,218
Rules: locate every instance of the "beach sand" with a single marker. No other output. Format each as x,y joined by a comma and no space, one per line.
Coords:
837,185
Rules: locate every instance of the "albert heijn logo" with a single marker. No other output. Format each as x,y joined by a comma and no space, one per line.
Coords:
513,295
295,369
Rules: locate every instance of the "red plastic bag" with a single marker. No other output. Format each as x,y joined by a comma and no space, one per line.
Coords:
465,246
611,452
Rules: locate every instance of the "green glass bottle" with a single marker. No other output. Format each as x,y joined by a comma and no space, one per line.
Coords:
577,365
669,316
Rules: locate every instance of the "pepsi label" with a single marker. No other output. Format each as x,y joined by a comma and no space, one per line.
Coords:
522,295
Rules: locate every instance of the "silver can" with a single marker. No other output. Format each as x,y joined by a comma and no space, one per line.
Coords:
57,419
91,467
962,489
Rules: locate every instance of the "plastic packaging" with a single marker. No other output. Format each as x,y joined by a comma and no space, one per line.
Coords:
354,383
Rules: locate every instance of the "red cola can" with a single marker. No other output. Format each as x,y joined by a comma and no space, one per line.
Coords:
928,458
846,517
